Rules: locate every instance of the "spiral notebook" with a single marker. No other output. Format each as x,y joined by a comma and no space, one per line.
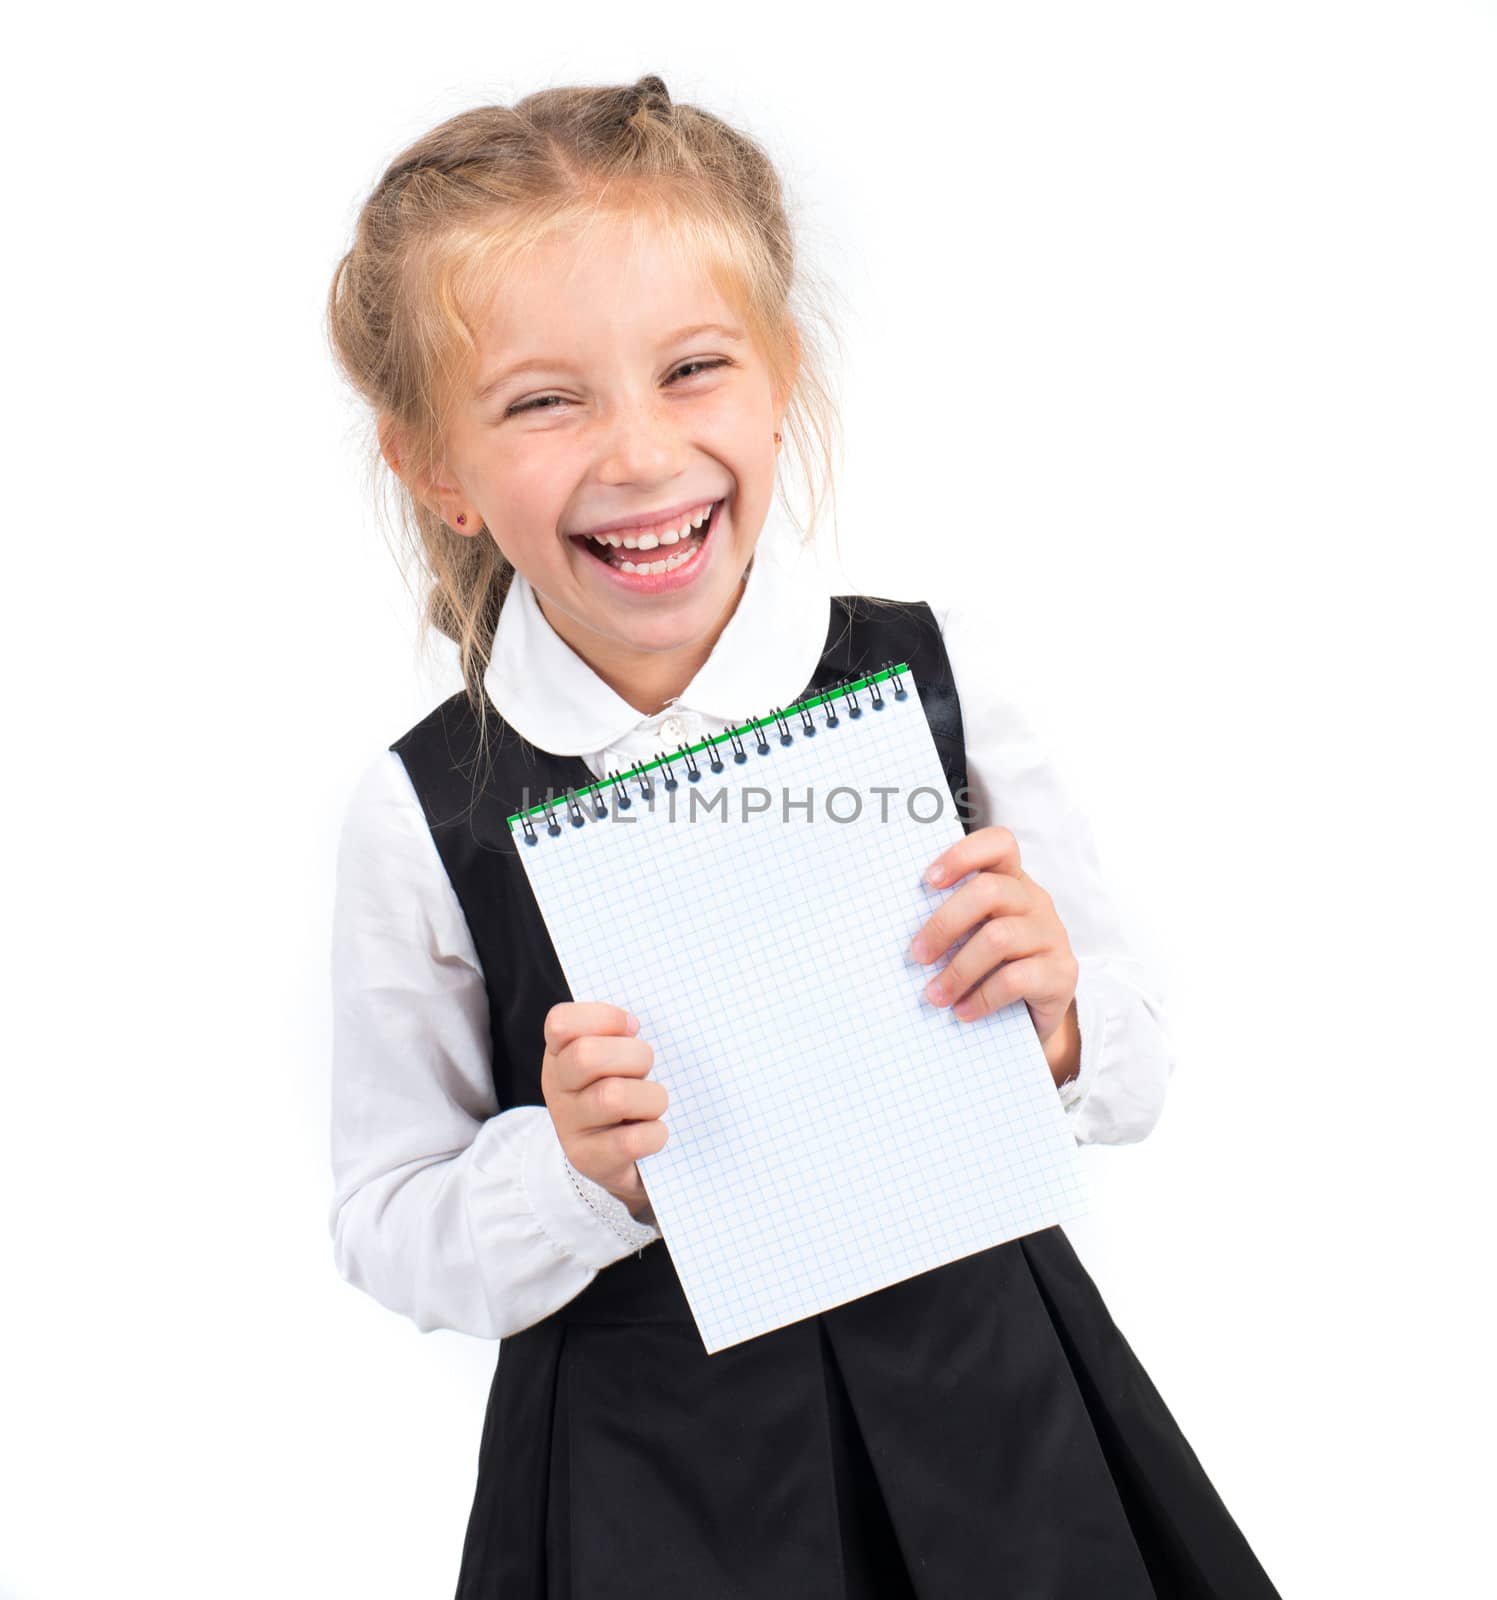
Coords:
752,898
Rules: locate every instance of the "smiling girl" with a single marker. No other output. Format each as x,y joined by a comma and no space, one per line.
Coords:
579,326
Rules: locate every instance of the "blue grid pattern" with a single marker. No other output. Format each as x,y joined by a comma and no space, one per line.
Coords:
831,1132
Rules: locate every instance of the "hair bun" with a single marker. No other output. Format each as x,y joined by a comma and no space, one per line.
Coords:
649,91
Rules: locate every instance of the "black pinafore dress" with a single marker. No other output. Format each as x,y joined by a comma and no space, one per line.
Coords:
980,1430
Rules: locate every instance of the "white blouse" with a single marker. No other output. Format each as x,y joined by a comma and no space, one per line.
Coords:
462,1216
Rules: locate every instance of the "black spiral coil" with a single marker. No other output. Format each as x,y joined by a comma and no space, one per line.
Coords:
848,689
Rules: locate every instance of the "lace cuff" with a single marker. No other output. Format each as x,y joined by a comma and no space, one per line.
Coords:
634,1232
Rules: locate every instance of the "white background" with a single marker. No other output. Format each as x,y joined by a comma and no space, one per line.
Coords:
1170,339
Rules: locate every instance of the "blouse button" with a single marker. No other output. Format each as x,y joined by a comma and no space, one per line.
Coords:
672,730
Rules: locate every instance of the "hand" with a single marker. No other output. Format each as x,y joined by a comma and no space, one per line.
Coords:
606,1111
1018,951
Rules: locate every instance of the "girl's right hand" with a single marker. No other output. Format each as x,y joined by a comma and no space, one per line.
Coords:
605,1109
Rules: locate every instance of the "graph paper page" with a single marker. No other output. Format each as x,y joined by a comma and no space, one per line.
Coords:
830,1131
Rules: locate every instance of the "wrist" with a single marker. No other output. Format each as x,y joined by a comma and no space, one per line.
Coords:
634,1198
1063,1047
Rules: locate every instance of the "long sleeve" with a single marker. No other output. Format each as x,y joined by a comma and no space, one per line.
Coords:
447,1210
1118,1093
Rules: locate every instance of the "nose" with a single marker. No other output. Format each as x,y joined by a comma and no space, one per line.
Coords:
640,443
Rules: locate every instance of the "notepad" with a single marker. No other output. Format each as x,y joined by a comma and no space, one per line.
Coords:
752,898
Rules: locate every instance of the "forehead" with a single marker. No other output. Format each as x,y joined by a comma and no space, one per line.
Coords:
608,277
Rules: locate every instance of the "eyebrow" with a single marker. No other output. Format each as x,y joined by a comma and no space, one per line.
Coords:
550,364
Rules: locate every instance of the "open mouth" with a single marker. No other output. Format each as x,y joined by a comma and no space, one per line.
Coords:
659,550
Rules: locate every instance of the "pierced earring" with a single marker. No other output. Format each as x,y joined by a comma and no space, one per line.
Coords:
777,441
462,521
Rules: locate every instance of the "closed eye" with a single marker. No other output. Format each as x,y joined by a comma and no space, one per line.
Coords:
539,403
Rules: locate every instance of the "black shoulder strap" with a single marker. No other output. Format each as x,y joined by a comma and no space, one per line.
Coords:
866,633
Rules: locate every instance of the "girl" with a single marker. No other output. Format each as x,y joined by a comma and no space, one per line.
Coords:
578,325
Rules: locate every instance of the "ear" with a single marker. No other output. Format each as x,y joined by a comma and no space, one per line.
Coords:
389,443
439,495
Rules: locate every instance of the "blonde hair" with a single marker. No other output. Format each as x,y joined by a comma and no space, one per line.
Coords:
453,211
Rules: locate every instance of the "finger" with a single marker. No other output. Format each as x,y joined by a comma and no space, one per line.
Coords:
618,1148
987,894
1034,978
570,1019
608,1101
999,940
993,849
602,1055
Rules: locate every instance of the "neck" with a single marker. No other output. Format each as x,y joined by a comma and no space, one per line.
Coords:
647,679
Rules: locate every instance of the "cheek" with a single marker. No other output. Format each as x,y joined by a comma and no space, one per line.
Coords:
738,436
528,487
742,412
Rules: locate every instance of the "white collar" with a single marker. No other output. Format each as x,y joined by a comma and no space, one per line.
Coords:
764,657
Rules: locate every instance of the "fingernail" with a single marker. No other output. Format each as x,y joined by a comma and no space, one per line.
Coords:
632,1022
920,950
963,1009
935,991
937,873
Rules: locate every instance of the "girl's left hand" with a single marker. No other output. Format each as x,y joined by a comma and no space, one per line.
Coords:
1020,950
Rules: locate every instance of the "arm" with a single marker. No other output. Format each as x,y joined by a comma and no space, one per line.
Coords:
447,1210
1125,1058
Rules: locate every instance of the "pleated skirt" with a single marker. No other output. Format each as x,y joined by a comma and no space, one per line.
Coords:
980,1430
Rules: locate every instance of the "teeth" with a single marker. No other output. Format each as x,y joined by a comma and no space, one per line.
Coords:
668,565
648,541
